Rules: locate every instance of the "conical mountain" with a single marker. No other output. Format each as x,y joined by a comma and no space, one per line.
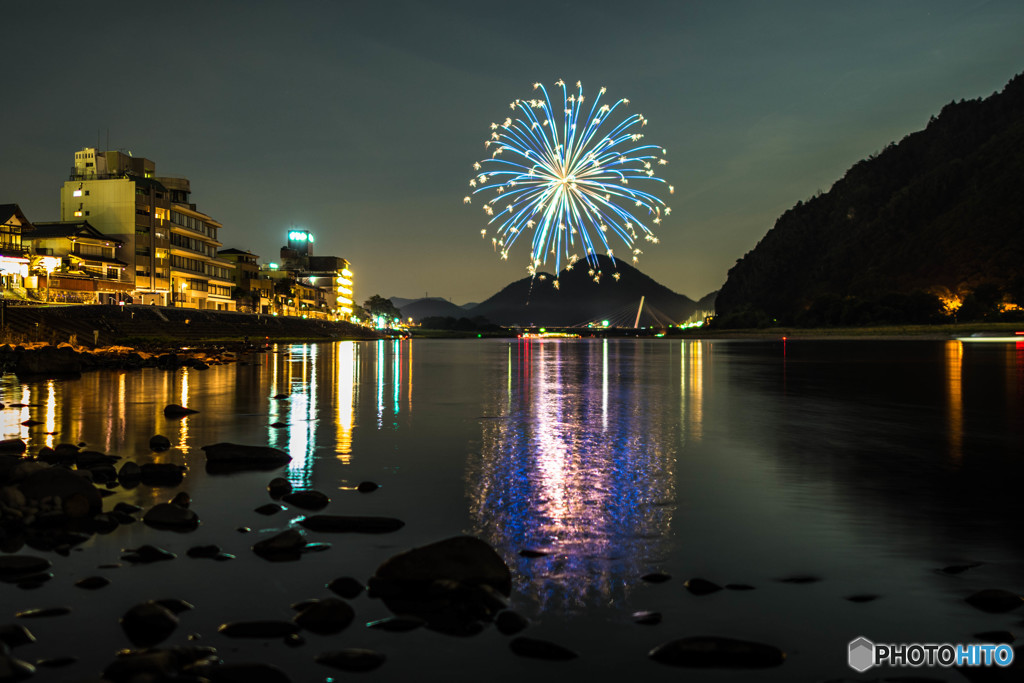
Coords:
578,299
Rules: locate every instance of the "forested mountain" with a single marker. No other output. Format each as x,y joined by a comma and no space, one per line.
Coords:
579,299
934,220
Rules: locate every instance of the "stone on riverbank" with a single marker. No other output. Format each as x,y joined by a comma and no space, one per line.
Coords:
49,362
307,500
78,496
148,623
174,410
326,616
279,487
284,547
171,516
238,456
159,443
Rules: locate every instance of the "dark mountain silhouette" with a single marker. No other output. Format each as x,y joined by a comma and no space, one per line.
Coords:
418,309
938,217
578,299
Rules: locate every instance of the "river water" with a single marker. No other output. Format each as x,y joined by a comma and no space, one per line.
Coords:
867,465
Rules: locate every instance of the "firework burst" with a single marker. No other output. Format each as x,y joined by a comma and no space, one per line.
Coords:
571,175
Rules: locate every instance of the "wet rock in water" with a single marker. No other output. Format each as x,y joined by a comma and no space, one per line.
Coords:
175,605
532,553
127,508
960,568
367,487
327,616
510,622
269,628
396,624
175,410
280,397
800,579
278,425
279,487
351,524
994,600
130,473
243,529
148,623
203,551
269,509
34,581
647,618
346,586
15,635
540,649
453,584
162,474
13,567
998,637
49,361
283,547
78,496
14,669
42,612
55,662
698,586
182,499
15,446
716,652
307,500
171,517
200,365
294,640
157,664
316,547
739,586
92,583
223,557
238,456
351,659
147,554
656,577
865,597
159,443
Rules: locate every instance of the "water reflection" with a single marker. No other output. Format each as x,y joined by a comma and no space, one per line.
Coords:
955,397
578,460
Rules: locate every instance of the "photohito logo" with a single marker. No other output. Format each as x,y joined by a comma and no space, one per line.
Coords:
864,654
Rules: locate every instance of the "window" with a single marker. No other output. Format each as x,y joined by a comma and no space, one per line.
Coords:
142,251
113,274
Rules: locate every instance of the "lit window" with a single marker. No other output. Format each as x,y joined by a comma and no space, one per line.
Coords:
78,214
76,193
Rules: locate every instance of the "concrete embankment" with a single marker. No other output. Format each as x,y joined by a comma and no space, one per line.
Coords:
143,326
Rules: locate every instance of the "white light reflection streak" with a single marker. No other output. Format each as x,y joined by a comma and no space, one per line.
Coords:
954,397
299,422
380,383
346,360
604,385
183,422
51,412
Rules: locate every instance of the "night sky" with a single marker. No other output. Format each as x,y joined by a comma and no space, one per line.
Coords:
360,121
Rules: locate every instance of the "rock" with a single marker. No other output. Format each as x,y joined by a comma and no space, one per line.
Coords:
258,629
540,649
171,517
716,652
159,443
698,586
268,509
316,547
351,524
200,365
13,567
80,498
147,554
959,568
279,487
43,612
49,361
174,410
367,487
15,635
656,577
92,583
157,664
351,659
203,551
127,508
34,581
346,586
175,605
285,546
56,662
453,584
13,669
280,397
148,623
327,616
162,474
237,456
532,553
130,473
994,600
509,622
278,425
181,499
647,618
307,500
396,624
15,446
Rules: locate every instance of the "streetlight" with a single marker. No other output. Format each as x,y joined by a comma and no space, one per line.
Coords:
181,296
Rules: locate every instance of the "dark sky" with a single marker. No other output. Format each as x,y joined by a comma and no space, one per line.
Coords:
360,121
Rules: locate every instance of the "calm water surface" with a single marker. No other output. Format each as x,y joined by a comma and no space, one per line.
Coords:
867,464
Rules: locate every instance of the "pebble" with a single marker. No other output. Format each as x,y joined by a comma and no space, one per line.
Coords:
148,623
43,612
278,425
656,577
269,509
698,586
307,500
14,566
283,547
15,635
510,622
175,410
279,487
346,586
531,553
13,669
800,579
351,659
92,583
647,618
159,443
147,554
367,487
324,617
171,516
861,598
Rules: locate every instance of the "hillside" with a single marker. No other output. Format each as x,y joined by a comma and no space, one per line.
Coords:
936,217
418,309
579,299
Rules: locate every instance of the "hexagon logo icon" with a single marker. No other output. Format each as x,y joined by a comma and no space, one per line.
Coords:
862,654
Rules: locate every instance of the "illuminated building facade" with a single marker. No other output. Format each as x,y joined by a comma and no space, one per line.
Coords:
330,274
73,262
13,259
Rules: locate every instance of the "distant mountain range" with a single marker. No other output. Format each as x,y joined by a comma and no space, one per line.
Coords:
577,300
937,218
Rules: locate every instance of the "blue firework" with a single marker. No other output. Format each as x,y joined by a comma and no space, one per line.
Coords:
572,176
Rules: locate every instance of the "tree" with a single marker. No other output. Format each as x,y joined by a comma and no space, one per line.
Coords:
378,305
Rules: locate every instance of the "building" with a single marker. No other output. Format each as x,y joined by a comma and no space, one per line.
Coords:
255,293
13,254
74,262
169,246
330,273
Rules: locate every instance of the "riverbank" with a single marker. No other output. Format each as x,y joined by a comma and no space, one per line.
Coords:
157,327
